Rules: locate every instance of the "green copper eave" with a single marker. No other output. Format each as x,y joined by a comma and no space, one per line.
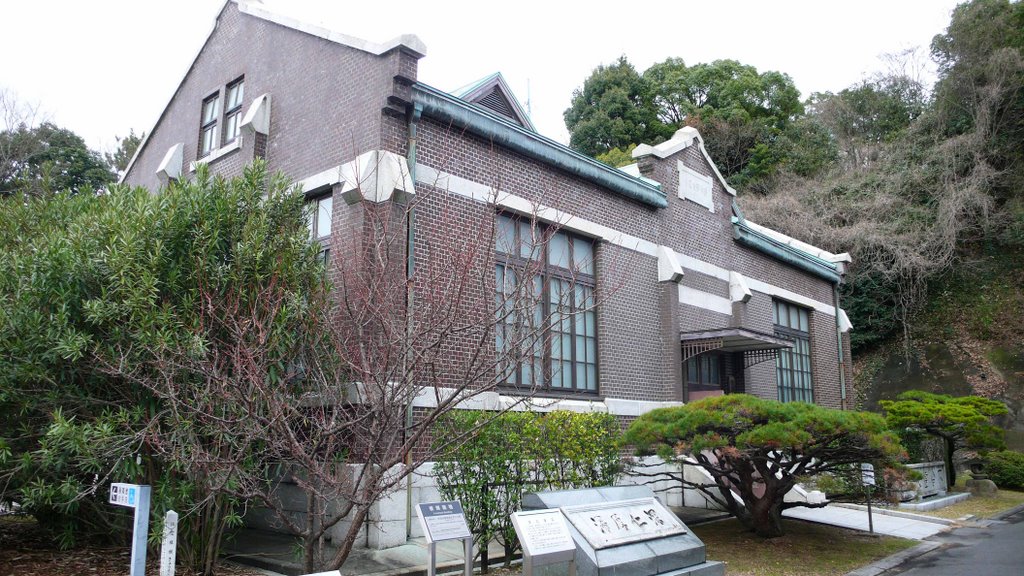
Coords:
444,107
797,258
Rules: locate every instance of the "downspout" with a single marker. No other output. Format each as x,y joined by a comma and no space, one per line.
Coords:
410,268
839,347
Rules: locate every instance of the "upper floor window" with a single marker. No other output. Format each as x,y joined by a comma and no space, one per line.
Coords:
320,214
233,110
208,126
793,367
547,320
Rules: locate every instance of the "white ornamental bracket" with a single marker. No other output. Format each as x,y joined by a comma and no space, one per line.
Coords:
377,176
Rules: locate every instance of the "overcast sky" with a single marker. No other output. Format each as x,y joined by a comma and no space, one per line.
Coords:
102,67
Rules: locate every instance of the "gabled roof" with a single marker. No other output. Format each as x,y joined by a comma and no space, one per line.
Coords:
257,9
493,93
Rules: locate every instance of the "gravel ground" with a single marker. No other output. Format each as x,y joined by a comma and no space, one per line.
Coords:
25,550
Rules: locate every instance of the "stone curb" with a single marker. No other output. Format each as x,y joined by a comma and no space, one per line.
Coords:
898,514
890,562
1007,513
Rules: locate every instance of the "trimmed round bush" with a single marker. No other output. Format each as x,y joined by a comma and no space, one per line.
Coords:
1006,469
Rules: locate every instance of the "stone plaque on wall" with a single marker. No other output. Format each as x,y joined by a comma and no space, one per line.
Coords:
615,523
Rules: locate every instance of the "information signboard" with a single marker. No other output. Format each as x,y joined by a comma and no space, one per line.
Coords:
443,521
545,536
135,496
124,494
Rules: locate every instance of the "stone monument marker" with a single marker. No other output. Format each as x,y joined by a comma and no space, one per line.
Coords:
626,530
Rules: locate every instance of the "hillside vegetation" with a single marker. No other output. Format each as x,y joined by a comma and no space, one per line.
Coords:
921,184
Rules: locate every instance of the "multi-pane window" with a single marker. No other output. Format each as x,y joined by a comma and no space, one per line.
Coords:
793,367
320,223
233,110
546,324
704,372
208,127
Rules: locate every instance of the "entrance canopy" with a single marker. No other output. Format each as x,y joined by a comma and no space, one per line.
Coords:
755,346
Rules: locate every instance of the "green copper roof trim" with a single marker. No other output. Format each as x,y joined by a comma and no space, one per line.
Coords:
468,88
797,258
450,109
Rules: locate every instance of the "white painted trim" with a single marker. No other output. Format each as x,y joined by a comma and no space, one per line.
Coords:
427,397
704,300
408,41
257,117
691,263
738,289
844,322
377,175
329,177
170,166
783,294
217,153
483,193
669,269
682,139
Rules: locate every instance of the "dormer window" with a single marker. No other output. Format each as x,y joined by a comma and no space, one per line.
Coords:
233,110
208,129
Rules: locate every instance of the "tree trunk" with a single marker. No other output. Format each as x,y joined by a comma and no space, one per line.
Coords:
950,445
766,516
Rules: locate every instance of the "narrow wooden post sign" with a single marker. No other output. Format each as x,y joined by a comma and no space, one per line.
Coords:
545,537
135,496
443,521
169,545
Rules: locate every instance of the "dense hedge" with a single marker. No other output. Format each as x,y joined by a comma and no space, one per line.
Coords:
507,455
1006,469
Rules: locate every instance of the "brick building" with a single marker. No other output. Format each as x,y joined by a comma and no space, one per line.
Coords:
703,302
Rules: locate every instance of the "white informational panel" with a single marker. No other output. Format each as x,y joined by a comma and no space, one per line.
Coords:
867,474
124,494
443,521
545,536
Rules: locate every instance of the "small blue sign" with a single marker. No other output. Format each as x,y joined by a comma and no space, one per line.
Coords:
131,496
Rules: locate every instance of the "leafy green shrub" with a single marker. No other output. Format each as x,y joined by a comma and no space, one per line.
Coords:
505,456
1006,469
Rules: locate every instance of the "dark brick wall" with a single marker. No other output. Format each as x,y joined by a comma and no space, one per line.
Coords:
326,99
331,103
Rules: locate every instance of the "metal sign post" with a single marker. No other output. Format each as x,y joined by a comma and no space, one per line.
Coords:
444,521
867,472
169,546
135,496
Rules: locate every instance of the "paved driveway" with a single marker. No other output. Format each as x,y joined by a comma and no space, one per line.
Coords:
994,550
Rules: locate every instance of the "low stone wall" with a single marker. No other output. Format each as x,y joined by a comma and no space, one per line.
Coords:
386,525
